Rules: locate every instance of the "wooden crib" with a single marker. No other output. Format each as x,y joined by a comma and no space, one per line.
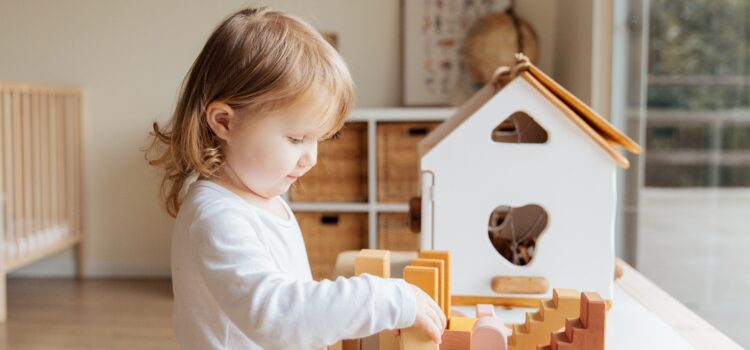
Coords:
40,176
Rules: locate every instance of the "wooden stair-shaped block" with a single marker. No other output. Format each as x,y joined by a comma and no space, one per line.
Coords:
586,332
550,317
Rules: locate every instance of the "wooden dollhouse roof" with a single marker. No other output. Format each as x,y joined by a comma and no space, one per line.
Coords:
590,122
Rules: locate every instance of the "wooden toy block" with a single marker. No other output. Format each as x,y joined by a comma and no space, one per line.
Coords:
446,257
489,333
550,317
373,261
520,284
586,332
456,340
416,339
346,344
461,324
370,343
377,263
426,278
485,310
389,341
440,265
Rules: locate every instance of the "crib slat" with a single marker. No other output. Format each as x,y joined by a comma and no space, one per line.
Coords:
17,170
3,202
37,161
70,166
61,159
53,160
7,169
45,168
78,188
26,161
78,168
3,191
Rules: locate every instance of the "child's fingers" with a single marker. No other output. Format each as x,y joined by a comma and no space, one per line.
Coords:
441,316
435,333
426,323
440,321
435,315
436,324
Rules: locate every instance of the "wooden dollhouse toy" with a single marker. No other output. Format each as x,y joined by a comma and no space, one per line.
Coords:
519,184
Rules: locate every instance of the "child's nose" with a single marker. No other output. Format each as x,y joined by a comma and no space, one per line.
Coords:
310,158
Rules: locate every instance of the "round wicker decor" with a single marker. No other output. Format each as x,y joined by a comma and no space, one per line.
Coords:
494,40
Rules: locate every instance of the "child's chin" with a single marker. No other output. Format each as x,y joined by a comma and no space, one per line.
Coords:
281,191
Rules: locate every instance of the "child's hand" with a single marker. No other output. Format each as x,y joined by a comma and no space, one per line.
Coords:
430,318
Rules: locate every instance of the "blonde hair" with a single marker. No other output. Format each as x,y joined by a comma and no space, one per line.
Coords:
256,59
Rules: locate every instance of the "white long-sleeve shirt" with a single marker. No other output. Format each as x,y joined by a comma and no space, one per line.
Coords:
241,280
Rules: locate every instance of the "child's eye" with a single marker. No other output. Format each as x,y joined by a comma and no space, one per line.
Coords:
335,136
296,140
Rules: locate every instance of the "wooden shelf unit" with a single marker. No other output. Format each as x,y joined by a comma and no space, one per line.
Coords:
373,117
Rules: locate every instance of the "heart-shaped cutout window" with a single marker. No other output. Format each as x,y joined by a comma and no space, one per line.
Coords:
514,231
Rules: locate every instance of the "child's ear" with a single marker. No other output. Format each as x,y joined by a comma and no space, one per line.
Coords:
219,115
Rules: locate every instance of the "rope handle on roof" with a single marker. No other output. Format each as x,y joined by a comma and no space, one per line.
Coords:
504,74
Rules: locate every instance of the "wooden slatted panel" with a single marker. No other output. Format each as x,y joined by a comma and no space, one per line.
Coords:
40,166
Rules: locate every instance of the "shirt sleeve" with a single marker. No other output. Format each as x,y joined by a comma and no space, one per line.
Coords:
276,310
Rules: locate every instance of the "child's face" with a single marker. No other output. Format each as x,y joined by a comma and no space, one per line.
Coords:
268,153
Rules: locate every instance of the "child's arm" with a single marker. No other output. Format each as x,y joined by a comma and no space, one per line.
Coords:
279,312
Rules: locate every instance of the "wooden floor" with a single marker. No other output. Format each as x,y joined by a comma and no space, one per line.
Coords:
66,314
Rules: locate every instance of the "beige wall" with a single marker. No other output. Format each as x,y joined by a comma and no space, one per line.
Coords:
131,55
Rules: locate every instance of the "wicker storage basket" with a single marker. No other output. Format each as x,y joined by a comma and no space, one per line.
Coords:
341,172
394,232
398,161
328,234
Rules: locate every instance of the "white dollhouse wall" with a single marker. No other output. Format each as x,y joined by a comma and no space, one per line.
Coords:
467,175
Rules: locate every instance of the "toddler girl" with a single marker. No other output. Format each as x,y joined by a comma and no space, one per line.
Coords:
264,90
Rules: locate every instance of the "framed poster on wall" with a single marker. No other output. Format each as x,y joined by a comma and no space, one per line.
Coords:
433,33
